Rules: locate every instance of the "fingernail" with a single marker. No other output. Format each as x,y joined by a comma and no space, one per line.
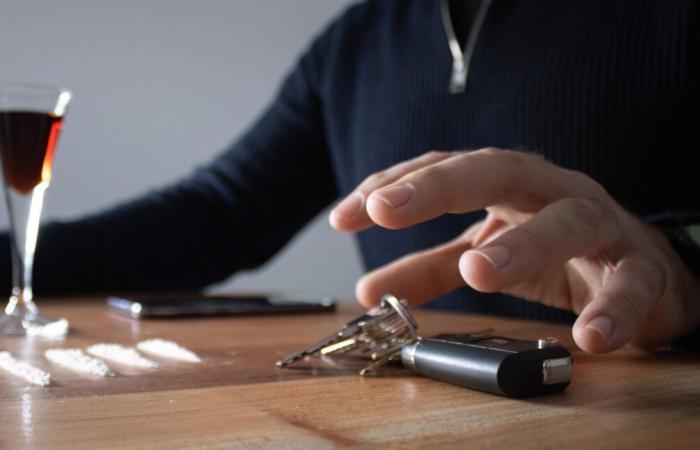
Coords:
499,256
349,206
396,196
602,325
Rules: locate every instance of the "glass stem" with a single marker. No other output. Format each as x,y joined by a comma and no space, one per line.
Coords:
25,215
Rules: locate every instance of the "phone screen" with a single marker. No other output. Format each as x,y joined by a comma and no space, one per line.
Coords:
220,305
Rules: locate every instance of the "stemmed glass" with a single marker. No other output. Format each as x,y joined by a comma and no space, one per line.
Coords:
31,117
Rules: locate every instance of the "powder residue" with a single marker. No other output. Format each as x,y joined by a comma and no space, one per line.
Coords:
24,370
52,330
121,355
76,360
168,349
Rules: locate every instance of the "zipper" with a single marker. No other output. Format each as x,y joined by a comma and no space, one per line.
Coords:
461,59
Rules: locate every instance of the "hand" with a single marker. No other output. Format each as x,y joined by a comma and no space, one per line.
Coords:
552,235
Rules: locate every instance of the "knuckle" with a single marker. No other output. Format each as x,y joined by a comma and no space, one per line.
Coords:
535,241
437,176
434,154
513,165
591,213
533,248
627,305
527,156
523,155
490,152
518,164
566,224
375,179
438,184
508,158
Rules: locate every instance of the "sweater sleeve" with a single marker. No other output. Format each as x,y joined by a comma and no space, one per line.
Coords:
233,214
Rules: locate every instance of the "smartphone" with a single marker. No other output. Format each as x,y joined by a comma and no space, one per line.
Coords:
216,305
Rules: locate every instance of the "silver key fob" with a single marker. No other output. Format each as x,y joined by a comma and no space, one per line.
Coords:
500,365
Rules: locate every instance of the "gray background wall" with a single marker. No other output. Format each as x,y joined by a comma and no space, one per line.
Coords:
161,86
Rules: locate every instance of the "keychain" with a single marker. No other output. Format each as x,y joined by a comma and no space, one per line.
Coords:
496,364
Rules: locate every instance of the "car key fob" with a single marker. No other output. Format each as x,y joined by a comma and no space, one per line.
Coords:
500,365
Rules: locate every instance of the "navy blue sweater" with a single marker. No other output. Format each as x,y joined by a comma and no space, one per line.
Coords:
606,87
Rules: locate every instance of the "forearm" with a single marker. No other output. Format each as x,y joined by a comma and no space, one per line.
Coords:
194,233
233,214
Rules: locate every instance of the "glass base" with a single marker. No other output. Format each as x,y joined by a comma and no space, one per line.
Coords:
33,325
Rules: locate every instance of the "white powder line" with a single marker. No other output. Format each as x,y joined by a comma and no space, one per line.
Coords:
121,355
168,349
74,359
24,370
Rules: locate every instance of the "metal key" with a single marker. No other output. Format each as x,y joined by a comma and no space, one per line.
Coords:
377,335
314,349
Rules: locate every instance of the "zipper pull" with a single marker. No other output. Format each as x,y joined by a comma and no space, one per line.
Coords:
461,59
458,81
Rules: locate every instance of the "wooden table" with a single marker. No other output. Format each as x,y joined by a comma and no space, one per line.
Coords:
237,398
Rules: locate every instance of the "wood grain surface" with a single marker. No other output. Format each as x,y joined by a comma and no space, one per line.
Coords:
237,398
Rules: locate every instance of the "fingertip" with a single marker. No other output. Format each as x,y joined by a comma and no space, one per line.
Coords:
365,292
588,340
478,271
339,223
595,335
334,221
348,215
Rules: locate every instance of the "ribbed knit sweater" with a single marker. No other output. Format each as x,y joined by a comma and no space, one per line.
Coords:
609,88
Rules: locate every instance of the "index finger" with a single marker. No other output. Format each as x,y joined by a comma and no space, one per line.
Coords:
473,181
351,215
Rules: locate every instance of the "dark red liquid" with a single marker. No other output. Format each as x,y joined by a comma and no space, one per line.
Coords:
27,143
